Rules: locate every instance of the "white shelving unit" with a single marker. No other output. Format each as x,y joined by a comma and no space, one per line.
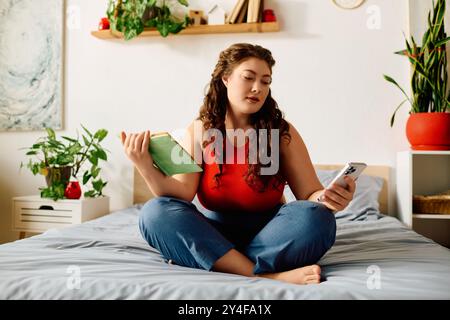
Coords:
423,173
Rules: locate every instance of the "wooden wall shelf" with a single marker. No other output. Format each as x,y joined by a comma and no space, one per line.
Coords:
201,29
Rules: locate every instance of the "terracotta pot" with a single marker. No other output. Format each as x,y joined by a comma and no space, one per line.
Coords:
429,131
58,174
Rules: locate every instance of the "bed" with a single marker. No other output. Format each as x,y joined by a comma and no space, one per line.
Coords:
374,257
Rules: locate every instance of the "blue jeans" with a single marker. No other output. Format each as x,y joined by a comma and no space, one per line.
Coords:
292,235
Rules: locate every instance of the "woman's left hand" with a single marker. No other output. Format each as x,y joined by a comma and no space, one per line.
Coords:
336,197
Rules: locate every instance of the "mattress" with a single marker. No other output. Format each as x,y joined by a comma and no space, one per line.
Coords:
374,257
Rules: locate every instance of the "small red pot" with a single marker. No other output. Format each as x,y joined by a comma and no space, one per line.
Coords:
73,190
269,16
429,130
103,24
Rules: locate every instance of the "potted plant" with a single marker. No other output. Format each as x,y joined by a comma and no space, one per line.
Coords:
132,16
60,159
428,126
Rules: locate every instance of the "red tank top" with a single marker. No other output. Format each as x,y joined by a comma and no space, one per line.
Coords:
233,194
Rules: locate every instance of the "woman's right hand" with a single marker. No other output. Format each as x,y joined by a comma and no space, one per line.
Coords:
136,148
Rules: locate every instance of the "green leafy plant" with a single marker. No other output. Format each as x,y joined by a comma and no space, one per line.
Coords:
132,16
60,159
429,67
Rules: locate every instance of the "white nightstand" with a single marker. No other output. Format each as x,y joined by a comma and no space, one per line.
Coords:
423,173
36,214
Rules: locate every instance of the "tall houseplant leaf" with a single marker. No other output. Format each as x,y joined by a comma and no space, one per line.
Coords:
429,66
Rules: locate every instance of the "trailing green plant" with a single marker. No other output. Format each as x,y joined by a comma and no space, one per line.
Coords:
49,156
132,16
429,67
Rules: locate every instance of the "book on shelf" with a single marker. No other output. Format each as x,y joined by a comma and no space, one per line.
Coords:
169,156
235,12
253,10
247,11
250,11
242,17
260,11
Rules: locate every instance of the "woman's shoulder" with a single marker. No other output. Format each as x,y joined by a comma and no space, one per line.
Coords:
195,125
290,125
292,129
292,141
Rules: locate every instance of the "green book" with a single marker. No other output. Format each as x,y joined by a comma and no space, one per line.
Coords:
169,156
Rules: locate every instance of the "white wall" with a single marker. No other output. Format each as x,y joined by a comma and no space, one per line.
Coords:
418,13
327,80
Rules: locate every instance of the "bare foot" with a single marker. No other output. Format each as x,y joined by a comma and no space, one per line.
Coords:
304,275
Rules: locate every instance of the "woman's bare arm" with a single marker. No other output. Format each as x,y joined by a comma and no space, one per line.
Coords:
297,168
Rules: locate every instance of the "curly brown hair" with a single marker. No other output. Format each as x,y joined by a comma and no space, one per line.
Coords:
215,103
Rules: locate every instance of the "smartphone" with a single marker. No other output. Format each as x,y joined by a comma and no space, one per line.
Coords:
351,169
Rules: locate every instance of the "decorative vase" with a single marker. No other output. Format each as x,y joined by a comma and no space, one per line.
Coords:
58,174
269,16
429,131
73,190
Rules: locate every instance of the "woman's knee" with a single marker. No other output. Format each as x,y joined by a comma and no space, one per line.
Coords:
160,213
319,220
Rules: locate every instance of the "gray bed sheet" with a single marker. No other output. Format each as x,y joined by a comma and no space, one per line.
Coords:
375,257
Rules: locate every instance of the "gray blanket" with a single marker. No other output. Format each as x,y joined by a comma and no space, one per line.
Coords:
375,257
